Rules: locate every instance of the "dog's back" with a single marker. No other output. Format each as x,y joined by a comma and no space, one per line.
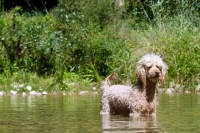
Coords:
117,95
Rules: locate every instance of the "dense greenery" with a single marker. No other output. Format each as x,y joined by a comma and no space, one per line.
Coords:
80,42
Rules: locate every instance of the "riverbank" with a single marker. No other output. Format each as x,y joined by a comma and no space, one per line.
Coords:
83,92
21,83
48,86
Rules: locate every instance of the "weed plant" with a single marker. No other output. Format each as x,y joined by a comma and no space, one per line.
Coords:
77,44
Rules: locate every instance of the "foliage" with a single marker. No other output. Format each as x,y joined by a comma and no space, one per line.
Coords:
177,42
29,43
80,42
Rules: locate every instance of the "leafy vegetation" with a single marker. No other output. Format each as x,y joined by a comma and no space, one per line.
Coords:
80,42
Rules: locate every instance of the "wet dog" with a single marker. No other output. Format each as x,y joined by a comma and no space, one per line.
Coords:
139,99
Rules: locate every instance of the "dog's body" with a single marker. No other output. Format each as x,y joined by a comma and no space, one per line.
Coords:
139,99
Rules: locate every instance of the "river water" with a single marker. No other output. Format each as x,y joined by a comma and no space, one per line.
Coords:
80,113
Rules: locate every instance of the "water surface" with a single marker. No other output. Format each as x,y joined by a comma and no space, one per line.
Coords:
80,113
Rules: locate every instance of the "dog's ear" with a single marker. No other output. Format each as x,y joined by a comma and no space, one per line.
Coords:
141,73
163,73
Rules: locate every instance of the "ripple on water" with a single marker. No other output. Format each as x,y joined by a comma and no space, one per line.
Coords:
80,113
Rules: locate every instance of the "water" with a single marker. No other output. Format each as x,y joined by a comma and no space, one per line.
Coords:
179,113
80,113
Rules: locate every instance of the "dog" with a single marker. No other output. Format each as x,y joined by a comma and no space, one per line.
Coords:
140,98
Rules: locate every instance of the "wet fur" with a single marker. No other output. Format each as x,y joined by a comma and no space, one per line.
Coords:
139,99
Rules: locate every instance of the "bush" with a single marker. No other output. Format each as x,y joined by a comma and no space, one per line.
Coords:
90,39
29,42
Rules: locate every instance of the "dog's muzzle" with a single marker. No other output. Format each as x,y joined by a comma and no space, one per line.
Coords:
157,74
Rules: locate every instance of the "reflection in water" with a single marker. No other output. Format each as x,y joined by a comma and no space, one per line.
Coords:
49,114
80,113
117,123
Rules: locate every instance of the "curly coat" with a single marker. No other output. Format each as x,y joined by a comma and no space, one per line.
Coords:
139,99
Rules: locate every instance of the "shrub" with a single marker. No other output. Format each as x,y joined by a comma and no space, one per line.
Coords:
90,39
29,42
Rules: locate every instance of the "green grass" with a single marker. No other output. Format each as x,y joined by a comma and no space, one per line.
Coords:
71,82
73,49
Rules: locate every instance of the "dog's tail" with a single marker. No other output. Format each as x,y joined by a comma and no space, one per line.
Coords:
109,81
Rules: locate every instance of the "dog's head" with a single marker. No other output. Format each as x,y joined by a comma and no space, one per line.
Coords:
151,66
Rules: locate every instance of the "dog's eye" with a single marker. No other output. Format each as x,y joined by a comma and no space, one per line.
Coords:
148,67
159,67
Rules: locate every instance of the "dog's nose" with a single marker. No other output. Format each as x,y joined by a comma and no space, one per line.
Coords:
157,74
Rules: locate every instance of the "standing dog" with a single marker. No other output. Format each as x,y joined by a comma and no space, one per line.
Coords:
139,99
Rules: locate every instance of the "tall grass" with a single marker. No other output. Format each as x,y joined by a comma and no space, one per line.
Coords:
79,43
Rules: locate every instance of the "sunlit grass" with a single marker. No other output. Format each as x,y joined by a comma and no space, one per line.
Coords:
74,51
